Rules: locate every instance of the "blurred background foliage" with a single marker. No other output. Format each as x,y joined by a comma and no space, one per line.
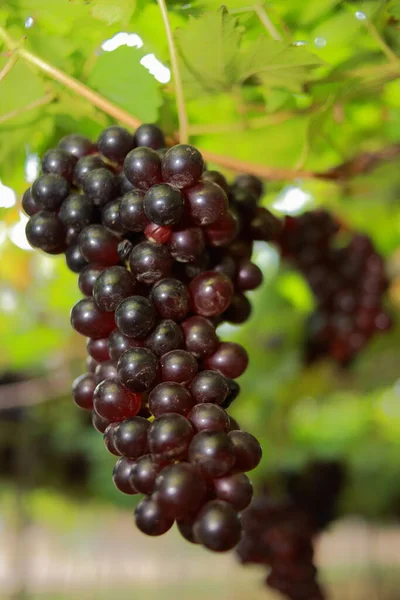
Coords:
310,106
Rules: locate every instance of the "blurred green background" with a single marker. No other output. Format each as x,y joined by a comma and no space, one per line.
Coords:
254,100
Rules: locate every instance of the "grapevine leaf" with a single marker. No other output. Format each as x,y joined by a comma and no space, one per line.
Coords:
394,8
278,65
208,48
121,78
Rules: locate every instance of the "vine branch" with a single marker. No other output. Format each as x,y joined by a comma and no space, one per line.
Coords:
266,22
180,100
46,99
8,66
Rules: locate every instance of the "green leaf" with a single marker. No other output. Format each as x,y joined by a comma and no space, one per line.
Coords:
121,78
394,8
209,48
113,11
278,65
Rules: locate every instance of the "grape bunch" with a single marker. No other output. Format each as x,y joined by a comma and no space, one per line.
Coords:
279,531
347,279
162,248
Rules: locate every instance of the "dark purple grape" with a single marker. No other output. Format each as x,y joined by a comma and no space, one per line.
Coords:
239,310
179,366
122,476
114,143
131,211
166,336
99,245
74,259
249,276
234,390
235,489
105,370
223,231
111,219
49,191
207,203
101,186
99,423
58,162
118,343
170,397
150,262
233,424
249,183
98,349
72,237
208,417
138,369
187,245
113,401
163,204
87,319
150,518
216,177
124,249
112,286
86,165
130,437
108,439
82,391
44,230
209,386
180,491
169,437
230,360
135,317
142,167
185,527
212,452
91,364
211,293
77,145
218,526
144,473
29,205
200,336
87,278
265,226
171,299
182,166
76,212
125,185
247,450
149,135
240,249
245,203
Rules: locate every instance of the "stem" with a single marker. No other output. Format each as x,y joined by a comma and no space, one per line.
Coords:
180,100
8,66
391,56
20,111
266,22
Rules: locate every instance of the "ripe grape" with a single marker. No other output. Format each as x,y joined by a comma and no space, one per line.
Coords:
131,211
98,349
209,386
216,177
99,246
122,476
171,299
142,166
138,369
111,219
207,203
150,136
212,452
77,145
249,276
44,230
200,336
211,293
208,417
143,474
118,343
101,186
113,401
247,450
76,212
86,165
115,143
169,437
108,439
179,366
82,391
239,310
235,489
150,262
135,317
130,437
87,319
170,397
182,166
230,360
87,278
58,162
112,286
99,423
166,336
249,183
29,205
74,259
187,245
180,491
163,204
105,370
218,526
150,518
49,191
